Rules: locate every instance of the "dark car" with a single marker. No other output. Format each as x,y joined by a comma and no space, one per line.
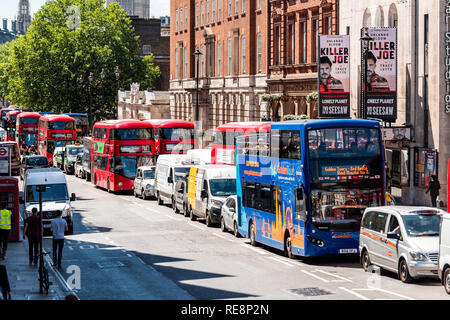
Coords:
32,162
180,197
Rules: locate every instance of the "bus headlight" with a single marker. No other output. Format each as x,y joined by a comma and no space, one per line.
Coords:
316,242
119,184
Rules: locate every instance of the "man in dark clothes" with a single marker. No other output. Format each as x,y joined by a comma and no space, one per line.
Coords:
433,188
4,283
33,231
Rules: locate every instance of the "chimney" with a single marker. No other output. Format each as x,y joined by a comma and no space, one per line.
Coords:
5,24
14,26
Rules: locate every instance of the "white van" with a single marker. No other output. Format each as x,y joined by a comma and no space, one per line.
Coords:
169,168
444,252
54,198
208,188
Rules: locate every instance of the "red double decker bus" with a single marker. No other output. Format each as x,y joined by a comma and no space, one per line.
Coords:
10,125
27,129
223,148
173,136
118,148
55,131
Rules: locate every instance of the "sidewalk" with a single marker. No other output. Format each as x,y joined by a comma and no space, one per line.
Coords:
24,279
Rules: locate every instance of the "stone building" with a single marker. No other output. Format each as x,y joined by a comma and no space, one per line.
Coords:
152,41
232,37
294,27
139,8
136,104
423,118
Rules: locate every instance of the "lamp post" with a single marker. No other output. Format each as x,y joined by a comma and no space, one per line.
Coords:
197,55
117,73
365,45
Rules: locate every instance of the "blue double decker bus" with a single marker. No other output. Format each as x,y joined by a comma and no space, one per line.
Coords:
303,187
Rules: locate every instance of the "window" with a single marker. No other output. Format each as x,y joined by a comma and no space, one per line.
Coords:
258,53
181,19
207,11
219,57
219,11
394,225
100,133
196,15
277,42
202,13
236,53
202,60
291,44
213,10
259,196
176,20
100,162
185,62
379,222
243,6
229,56
176,63
229,9
315,26
236,7
243,57
290,145
185,18
258,4
303,41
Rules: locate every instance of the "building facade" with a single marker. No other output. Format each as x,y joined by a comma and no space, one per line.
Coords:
139,8
293,31
231,36
417,143
24,16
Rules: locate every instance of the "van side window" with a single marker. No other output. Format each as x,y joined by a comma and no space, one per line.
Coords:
368,220
380,222
394,225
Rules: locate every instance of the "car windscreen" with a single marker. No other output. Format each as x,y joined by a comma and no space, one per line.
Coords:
53,192
422,225
149,174
222,187
37,161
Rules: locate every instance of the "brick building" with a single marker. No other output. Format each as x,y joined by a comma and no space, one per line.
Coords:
294,27
232,37
151,41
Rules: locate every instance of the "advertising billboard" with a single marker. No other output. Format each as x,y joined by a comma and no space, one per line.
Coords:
380,86
334,76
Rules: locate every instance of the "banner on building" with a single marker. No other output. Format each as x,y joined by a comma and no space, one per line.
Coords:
334,76
380,100
426,165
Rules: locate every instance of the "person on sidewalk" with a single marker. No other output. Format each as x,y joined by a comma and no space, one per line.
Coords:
4,283
33,231
433,188
5,228
59,225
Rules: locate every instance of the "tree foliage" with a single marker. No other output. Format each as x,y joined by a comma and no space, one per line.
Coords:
68,41
4,72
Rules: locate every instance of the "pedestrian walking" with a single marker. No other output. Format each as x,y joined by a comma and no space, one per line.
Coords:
4,283
5,228
433,188
58,227
33,231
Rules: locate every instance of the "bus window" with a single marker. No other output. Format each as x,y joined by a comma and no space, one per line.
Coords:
290,145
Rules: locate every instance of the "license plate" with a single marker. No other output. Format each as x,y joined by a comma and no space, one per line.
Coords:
343,251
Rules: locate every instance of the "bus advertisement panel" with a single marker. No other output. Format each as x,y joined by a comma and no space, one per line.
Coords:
173,136
27,129
81,124
119,147
223,148
334,76
55,131
304,187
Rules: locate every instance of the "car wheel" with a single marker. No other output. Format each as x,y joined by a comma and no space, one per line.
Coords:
252,235
144,197
365,261
192,215
235,230
403,272
208,220
447,280
288,247
222,225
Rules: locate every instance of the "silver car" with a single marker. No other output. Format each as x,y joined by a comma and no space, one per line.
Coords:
144,182
404,240
228,220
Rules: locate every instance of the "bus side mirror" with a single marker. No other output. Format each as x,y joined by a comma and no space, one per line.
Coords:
299,195
169,180
73,197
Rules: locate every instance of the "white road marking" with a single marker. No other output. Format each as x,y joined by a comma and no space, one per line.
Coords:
354,293
336,276
220,236
315,276
392,293
195,226
253,249
281,261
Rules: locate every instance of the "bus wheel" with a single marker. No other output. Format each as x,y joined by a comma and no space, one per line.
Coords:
288,247
252,234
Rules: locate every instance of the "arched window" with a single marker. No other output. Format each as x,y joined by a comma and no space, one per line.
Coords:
379,17
367,19
393,16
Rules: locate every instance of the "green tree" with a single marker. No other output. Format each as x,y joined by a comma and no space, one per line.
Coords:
4,72
57,65
152,73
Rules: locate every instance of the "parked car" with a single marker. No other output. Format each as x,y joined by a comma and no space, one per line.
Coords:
404,240
228,220
15,156
144,182
181,196
32,162
208,188
444,252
